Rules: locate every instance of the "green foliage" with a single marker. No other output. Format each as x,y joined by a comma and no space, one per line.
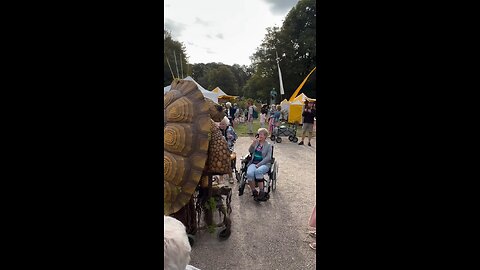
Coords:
222,77
173,49
295,43
211,228
231,79
242,129
256,88
211,205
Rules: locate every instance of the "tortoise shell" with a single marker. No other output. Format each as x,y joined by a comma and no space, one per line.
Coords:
193,144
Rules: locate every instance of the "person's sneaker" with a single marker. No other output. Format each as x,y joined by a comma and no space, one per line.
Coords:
309,144
241,188
230,180
300,143
261,197
313,245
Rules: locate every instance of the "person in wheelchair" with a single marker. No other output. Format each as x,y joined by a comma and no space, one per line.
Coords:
259,164
229,133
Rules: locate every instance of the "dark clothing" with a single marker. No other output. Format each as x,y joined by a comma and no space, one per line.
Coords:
230,136
232,111
308,116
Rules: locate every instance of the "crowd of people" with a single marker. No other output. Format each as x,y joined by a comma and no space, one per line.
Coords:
271,117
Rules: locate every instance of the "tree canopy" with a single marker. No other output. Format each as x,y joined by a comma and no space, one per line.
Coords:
173,49
295,43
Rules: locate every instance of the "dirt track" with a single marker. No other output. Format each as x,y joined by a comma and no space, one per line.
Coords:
272,234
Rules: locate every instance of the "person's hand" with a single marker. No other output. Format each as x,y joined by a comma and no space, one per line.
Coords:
256,165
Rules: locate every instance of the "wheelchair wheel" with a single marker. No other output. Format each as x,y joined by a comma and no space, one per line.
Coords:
241,185
290,138
279,140
295,139
191,239
274,178
272,137
224,234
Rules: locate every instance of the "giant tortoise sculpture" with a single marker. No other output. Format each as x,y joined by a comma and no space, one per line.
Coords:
194,150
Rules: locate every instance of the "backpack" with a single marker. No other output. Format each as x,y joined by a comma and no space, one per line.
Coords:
255,114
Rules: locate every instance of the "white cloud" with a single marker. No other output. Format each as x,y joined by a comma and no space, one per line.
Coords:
176,28
202,22
223,31
281,6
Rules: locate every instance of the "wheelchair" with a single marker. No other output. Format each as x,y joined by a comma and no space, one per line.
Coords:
269,184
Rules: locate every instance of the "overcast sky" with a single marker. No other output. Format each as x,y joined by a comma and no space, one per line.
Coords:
226,31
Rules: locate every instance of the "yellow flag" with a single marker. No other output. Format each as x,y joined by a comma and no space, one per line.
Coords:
301,85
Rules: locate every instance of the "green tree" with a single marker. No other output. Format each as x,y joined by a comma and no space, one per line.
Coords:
231,79
295,43
297,40
224,78
172,49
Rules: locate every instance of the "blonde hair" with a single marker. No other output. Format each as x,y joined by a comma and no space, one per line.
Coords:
225,121
264,131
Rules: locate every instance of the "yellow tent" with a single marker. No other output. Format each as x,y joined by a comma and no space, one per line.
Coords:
295,112
222,95
296,108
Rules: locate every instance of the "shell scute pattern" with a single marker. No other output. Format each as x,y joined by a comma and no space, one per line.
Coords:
186,134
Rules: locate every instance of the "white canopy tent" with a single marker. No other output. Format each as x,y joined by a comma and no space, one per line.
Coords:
219,91
285,104
208,94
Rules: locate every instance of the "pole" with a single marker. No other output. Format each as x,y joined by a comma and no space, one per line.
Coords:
181,66
168,63
301,85
176,66
282,92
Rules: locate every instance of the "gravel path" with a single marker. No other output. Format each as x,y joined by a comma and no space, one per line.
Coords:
272,234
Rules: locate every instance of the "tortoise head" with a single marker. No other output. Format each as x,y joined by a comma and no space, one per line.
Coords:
215,110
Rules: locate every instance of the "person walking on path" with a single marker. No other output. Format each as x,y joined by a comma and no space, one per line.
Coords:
230,111
271,119
263,117
308,117
277,115
231,137
250,118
